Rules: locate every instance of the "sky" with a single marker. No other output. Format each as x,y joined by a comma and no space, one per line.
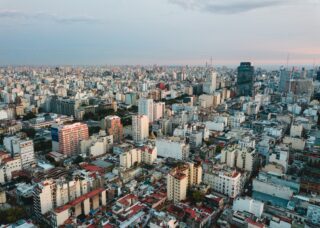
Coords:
163,32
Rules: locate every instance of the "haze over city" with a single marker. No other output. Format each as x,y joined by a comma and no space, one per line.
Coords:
164,32
160,114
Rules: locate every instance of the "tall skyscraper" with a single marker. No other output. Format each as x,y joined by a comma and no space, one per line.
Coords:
284,80
145,107
140,128
318,74
112,124
245,79
158,110
66,138
211,83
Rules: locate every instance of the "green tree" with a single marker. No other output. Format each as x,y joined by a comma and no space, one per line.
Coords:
29,116
30,132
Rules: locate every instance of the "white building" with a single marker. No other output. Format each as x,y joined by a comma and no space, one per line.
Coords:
215,126
50,194
149,154
280,156
21,147
236,120
96,145
248,204
313,214
195,139
140,128
227,182
145,107
296,130
211,83
130,158
242,158
158,110
7,166
173,147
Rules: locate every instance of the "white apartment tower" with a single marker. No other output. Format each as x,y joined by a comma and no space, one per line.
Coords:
211,83
145,107
140,128
158,110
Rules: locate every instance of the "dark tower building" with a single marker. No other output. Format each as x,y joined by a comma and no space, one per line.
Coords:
245,79
318,74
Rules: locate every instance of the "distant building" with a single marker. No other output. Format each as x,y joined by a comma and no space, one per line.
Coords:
248,204
158,110
114,127
245,79
313,214
22,147
242,158
318,74
7,166
140,128
172,147
145,107
210,85
66,138
284,82
275,189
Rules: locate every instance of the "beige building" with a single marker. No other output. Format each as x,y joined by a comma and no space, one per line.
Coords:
130,158
7,166
182,177
149,154
243,158
146,154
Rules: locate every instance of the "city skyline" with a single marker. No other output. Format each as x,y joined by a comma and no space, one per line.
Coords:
163,32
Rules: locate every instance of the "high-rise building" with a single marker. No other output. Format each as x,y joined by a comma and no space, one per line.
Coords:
140,128
25,149
211,83
130,158
242,158
60,197
284,80
158,110
245,79
66,138
177,183
21,147
318,74
182,177
145,107
112,124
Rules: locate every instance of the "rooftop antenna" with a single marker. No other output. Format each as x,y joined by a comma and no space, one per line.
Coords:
211,62
288,58
314,63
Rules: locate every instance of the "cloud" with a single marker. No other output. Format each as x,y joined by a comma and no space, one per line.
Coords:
232,6
41,16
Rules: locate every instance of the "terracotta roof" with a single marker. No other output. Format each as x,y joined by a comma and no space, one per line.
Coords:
79,200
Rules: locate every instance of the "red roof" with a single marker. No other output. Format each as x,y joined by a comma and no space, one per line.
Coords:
126,200
79,200
249,220
108,226
93,168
